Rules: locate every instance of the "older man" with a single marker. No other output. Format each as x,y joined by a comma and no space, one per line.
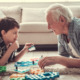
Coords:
60,19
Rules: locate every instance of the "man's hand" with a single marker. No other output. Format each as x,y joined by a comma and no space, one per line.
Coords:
14,46
46,61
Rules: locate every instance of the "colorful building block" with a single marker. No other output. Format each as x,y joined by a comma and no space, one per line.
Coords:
36,71
17,77
26,65
32,48
43,76
2,69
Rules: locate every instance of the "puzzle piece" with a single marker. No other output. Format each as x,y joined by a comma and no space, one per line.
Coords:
25,65
2,69
32,48
17,75
19,78
36,71
44,76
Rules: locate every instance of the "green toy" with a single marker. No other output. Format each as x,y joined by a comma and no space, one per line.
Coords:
2,69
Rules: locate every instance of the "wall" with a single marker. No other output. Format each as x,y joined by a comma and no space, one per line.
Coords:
36,4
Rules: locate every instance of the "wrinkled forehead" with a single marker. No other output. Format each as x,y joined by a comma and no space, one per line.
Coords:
49,17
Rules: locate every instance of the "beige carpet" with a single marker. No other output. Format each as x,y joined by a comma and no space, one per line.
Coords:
55,68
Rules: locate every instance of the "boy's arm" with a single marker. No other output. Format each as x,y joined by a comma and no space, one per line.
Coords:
22,52
8,53
6,56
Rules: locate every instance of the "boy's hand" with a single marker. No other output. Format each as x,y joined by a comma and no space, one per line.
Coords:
27,46
14,45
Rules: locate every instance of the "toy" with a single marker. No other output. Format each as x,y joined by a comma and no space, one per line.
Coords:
34,60
2,69
36,71
32,48
17,75
43,76
24,66
17,78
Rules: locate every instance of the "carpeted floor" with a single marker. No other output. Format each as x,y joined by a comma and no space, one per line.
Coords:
72,73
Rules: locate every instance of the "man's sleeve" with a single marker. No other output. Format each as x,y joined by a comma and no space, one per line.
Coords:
61,48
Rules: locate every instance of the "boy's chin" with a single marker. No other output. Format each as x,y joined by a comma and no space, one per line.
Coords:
12,41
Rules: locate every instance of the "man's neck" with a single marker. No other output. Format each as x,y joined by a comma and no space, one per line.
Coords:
66,30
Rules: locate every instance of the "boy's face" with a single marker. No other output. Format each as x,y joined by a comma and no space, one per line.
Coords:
11,35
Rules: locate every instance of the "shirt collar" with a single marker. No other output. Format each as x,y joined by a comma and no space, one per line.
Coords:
71,29
2,43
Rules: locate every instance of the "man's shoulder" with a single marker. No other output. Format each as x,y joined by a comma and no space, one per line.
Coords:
75,24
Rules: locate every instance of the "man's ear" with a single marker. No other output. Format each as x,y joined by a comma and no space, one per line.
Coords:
62,19
3,32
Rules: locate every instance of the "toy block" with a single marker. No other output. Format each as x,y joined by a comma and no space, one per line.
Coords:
17,77
36,71
2,69
43,76
24,64
20,66
32,48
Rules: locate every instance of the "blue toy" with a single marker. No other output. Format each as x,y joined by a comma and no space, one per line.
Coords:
25,64
32,48
43,76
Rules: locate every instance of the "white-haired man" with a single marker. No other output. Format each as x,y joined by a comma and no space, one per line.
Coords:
60,19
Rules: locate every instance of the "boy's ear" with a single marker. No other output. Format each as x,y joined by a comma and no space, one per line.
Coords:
3,32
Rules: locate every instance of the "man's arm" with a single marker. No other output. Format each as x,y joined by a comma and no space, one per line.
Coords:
61,48
68,62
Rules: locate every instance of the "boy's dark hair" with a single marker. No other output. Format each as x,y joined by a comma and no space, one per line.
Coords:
8,23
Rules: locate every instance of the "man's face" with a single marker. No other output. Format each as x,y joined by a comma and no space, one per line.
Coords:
11,35
56,26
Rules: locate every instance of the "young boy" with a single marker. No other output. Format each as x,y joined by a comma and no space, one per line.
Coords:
8,41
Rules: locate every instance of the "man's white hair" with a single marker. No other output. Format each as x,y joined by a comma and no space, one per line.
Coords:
58,10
